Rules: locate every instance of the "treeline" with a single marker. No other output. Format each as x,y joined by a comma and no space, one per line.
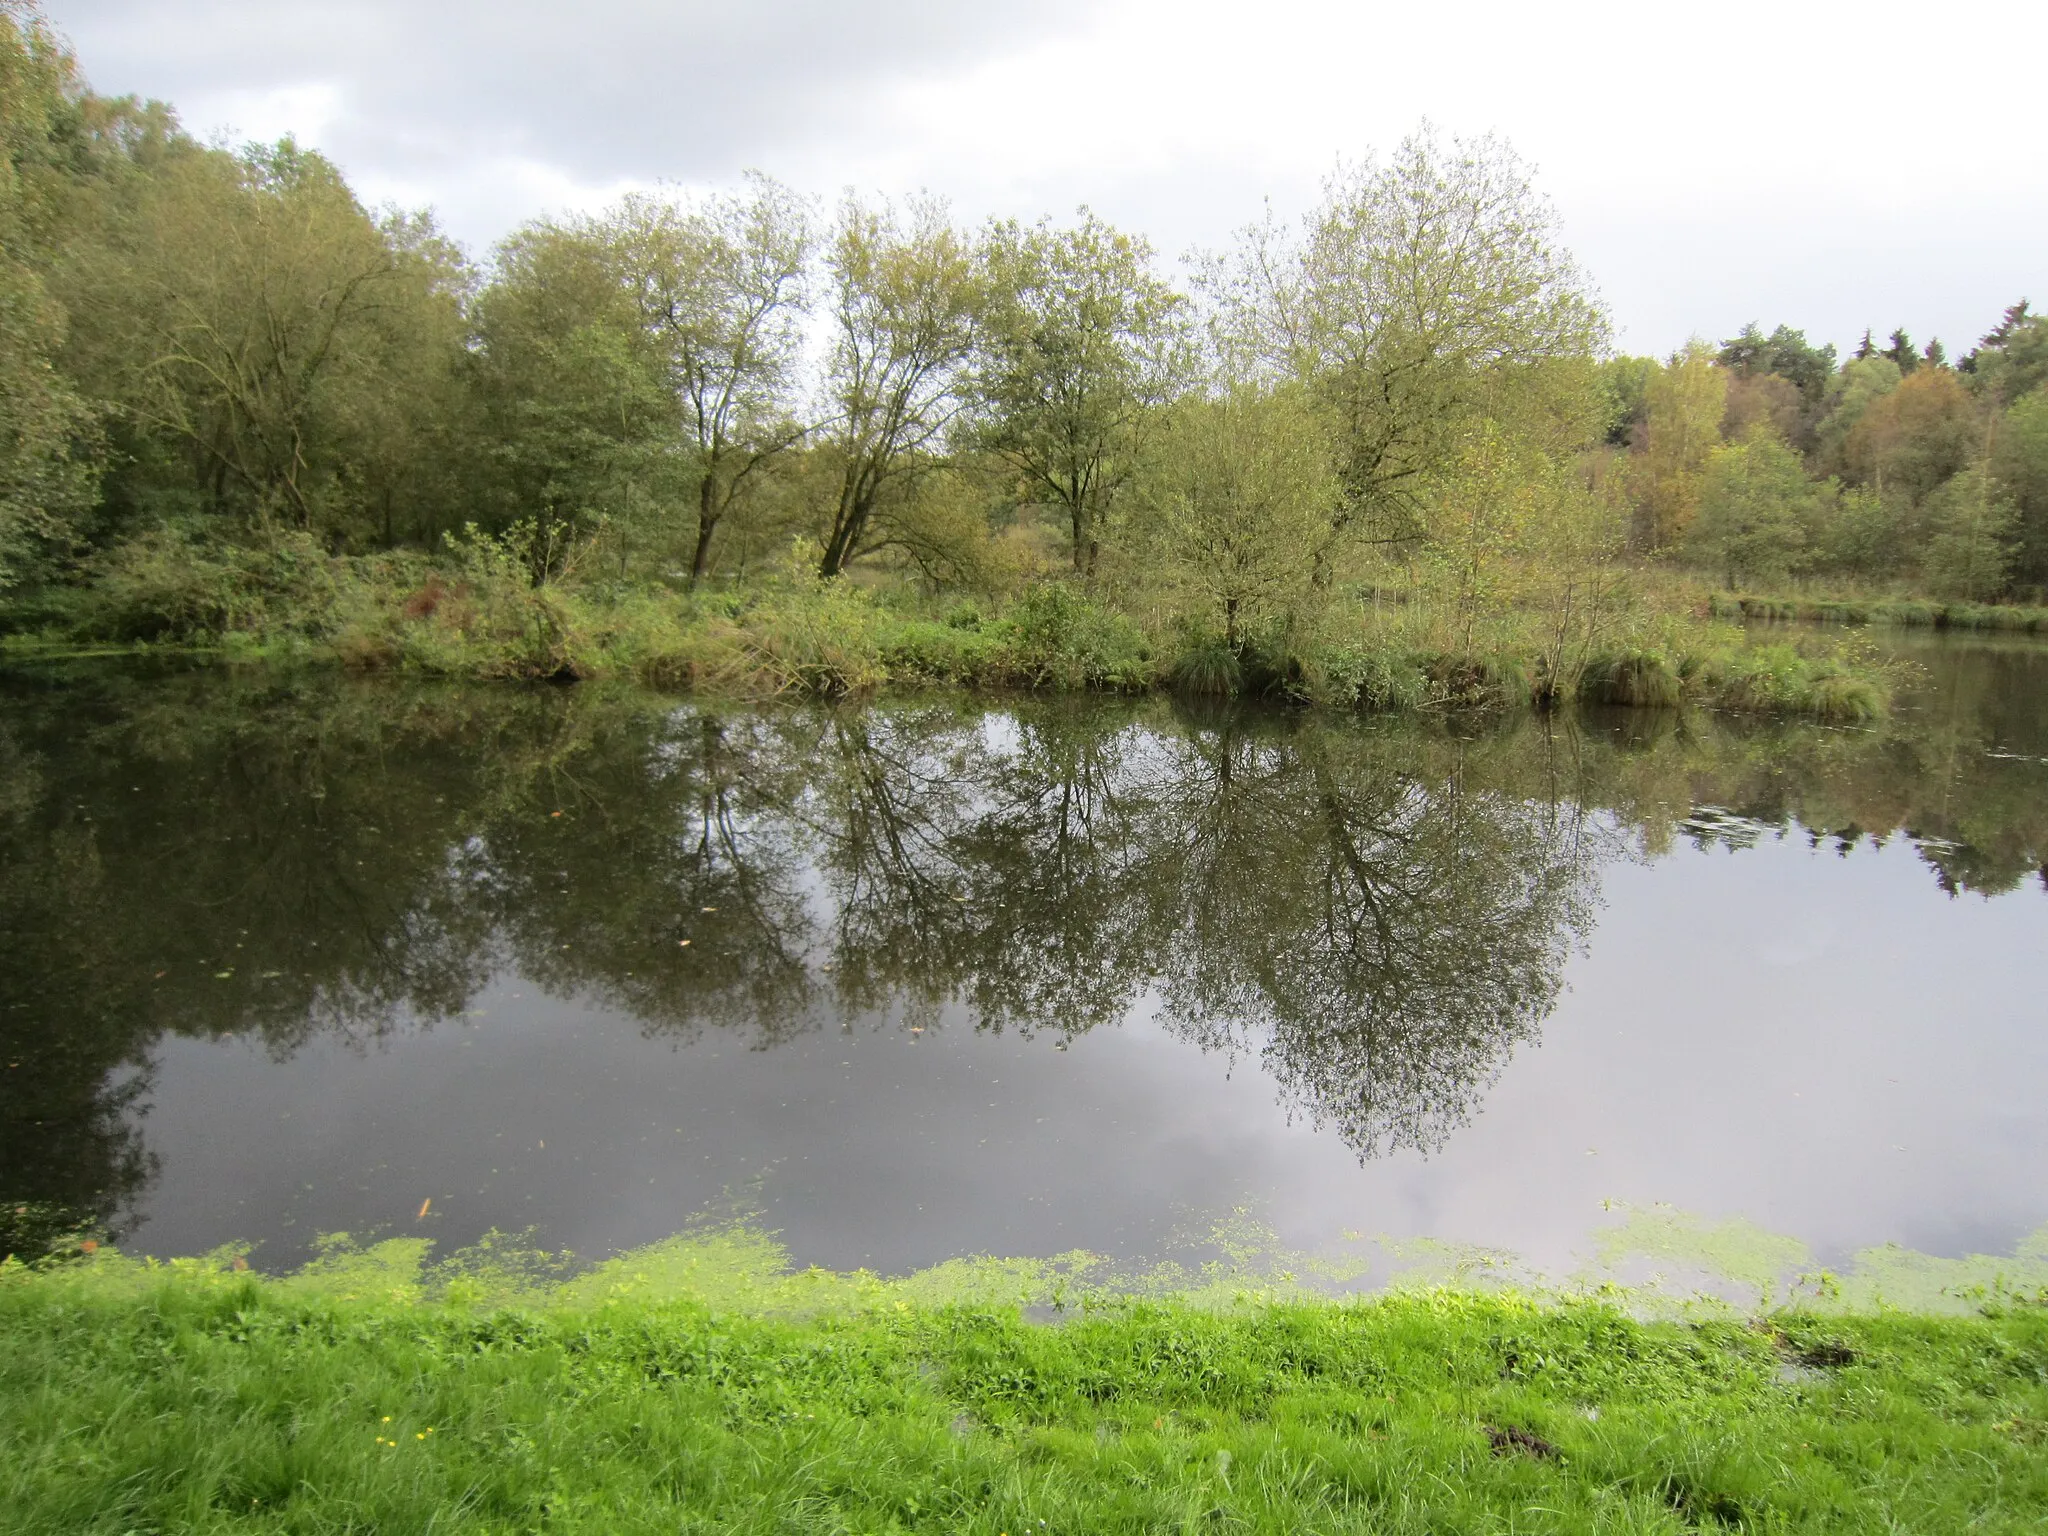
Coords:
221,370
1764,459
230,343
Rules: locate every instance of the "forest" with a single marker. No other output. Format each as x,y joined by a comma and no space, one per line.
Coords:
1387,456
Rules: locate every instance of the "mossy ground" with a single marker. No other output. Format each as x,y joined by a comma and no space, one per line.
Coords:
699,1387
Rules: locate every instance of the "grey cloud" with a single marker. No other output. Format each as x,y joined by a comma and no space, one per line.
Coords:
605,90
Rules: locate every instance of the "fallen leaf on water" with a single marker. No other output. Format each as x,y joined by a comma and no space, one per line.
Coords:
710,909
553,814
160,975
423,1208
682,943
222,975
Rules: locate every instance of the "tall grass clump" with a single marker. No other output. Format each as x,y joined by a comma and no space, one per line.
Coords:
1208,668
1636,677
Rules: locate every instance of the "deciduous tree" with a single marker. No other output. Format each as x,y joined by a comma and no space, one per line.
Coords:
723,288
904,295
1684,404
1081,345
1414,287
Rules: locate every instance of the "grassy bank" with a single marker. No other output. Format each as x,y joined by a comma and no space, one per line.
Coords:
476,614
204,1399
1914,612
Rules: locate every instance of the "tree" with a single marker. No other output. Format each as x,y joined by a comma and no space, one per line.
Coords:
2012,360
1418,291
1901,352
1793,357
1863,380
1970,547
49,464
1684,403
1081,345
2019,466
722,287
1915,436
1244,487
242,308
1624,384
1763,399
1479,519
579,418
1746,354
904,299
1755,504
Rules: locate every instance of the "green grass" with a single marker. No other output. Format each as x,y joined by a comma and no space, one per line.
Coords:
1913,612
196,1398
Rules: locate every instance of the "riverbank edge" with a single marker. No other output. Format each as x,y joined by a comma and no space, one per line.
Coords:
223,1401
1898,612
847,645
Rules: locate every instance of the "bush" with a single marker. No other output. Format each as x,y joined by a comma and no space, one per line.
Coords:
1375,673
944,653
167,585
1065,641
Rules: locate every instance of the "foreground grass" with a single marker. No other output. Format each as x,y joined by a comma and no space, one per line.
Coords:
197,1400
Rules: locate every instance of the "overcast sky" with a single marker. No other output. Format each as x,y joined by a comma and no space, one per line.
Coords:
1832,165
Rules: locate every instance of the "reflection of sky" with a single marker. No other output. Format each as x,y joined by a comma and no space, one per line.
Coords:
1828,1046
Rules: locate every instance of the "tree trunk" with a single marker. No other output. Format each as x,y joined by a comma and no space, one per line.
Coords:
707,524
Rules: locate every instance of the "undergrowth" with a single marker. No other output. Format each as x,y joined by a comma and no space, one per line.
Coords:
477,611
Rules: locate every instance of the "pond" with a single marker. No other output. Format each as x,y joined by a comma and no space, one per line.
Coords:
291,954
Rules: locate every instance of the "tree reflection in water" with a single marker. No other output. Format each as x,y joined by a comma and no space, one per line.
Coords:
1377,911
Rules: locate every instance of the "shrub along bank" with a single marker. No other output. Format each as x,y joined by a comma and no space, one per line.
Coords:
203,1399
1918,612
477,614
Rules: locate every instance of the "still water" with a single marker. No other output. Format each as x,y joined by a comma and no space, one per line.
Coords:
288,955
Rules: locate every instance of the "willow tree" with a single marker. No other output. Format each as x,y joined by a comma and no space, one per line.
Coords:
904,296
722,285
1082,344
1415,290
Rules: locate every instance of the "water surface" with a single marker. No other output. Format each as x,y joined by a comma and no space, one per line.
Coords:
287,955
